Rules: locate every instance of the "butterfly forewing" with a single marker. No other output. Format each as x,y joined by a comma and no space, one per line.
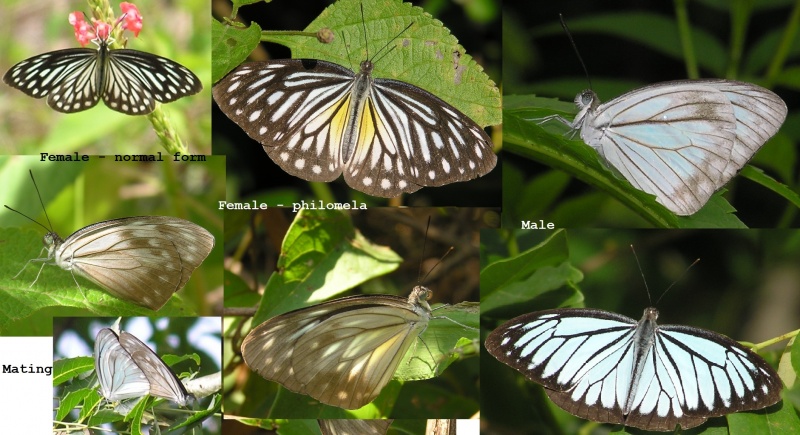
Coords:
135,80
341,352
586,360
317,120
682,141
119,376
163,382
142,259
128,81
65,77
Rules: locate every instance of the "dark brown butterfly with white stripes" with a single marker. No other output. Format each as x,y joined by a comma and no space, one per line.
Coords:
127,368
318,120
128,81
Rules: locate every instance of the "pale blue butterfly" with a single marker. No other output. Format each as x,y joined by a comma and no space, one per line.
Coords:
682,140
606,367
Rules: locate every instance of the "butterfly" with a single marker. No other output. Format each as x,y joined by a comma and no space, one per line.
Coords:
318,120
341,352
606,367
680,141
119,376
127,368
143,259
128,81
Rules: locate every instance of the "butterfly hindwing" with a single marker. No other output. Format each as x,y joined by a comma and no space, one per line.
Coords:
354,427
341,352
163,382
119,376
142,259
584,358
683,140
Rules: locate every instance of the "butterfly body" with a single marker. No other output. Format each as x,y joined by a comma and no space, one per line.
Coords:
682,140
318,120
610,368
341,352
142,259
128,81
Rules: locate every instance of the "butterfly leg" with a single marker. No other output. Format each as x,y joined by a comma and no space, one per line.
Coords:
38,260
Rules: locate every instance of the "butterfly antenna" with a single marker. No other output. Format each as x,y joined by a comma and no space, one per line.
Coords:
389,43
424,243
676,281
349,60
639,265
364,24
40,201
364,27
575,48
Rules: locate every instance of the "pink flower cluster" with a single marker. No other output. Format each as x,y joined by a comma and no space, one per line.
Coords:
131,20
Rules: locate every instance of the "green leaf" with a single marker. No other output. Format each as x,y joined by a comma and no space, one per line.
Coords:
322,256
231,46
66,369
538,278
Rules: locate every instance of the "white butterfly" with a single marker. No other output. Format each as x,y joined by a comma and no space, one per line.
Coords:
143,259
318,120
127,368
609,368
683,140
119,376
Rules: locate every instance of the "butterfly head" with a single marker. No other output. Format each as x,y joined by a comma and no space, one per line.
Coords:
366,67
51,241
419,297
586,101
651,314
